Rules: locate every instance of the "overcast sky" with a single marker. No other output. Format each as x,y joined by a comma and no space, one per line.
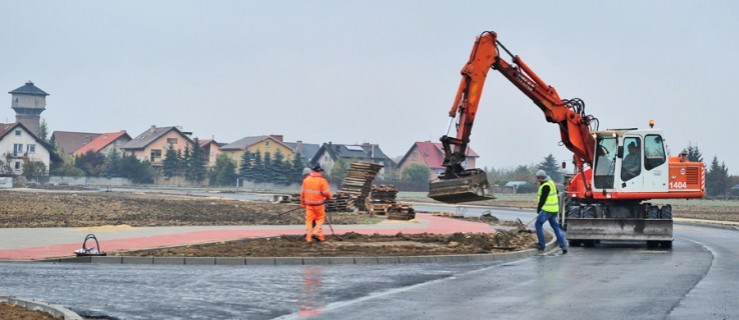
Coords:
382,72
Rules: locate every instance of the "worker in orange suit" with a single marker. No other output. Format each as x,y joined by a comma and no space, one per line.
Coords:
313,195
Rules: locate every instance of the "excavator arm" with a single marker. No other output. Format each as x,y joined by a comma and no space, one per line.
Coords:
574,125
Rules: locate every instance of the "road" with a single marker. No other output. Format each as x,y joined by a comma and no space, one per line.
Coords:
695,280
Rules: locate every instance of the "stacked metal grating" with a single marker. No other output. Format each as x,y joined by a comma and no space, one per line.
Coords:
358,182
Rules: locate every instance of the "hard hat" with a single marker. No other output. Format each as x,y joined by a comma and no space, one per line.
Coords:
541,173
306,171
317,167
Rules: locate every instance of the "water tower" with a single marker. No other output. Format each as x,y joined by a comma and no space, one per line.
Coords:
28,103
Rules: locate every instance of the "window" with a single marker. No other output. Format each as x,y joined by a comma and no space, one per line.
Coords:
266,143
17,165
17,148
17,133
31,148
604,166
172,140
155,154
654,151
631,163
414,156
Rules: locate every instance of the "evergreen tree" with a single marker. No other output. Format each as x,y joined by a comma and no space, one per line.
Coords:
196,164
43,131
112,164
185,166
171,164
136,170
258,168
717,178
246,166
297,169
694,154
267,173
549,164
224,172
280,169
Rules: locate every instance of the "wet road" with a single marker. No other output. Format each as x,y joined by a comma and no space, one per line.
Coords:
696,280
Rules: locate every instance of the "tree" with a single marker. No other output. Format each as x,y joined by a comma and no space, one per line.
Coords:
224,172
280,172
338,171
196,162
91,163
717,178
416,172
549,164
246,166
135,170
33,169
297,168
43,131
171,164
694,154
112,164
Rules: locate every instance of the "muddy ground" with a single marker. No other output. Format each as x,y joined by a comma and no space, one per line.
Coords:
87,209
12,312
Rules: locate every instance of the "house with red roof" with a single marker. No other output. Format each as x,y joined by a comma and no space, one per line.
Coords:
431,154
105,143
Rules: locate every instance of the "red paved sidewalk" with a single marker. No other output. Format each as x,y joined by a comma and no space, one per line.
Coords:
430,224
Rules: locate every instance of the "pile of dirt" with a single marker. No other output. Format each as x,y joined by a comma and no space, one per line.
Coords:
354,245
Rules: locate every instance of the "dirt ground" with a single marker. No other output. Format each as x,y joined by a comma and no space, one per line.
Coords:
12,312
87,209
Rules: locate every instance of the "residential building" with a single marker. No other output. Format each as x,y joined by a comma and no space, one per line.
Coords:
29,102
17,142
211,149
67,142
329,153
306,150
152,144
267,146
431,154
105,143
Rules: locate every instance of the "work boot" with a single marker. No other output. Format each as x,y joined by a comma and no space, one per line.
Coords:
321,238
564,250
308,238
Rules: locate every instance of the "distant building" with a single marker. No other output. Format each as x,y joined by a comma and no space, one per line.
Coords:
16,143
267,146
68,142
105,144
306,150
152,144
431,154
29,102
211,149
330,152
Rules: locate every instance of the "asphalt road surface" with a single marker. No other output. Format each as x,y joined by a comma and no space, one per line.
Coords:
697,279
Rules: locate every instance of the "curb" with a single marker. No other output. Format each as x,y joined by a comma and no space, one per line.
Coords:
55,311
281,261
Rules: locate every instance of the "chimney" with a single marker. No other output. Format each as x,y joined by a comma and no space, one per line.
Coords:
299,147
277,137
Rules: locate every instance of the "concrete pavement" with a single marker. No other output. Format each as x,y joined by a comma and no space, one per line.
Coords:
47,243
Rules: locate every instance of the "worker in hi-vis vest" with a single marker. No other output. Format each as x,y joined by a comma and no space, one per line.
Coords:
547,209
313,195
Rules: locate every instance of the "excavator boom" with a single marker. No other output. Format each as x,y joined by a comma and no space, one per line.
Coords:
458,184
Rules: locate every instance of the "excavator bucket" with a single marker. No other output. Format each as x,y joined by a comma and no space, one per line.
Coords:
473,187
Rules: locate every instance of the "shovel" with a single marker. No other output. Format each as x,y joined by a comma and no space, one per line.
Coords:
524,227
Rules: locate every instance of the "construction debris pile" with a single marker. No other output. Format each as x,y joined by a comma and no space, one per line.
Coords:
358,182
357,192
382,202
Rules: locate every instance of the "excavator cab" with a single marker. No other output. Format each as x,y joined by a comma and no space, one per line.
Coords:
466,186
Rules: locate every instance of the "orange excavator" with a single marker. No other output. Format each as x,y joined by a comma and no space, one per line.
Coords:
616,170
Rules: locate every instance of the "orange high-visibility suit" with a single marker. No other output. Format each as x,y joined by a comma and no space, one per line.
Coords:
314,193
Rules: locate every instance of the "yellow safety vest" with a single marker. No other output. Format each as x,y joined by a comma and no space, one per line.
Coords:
552,202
